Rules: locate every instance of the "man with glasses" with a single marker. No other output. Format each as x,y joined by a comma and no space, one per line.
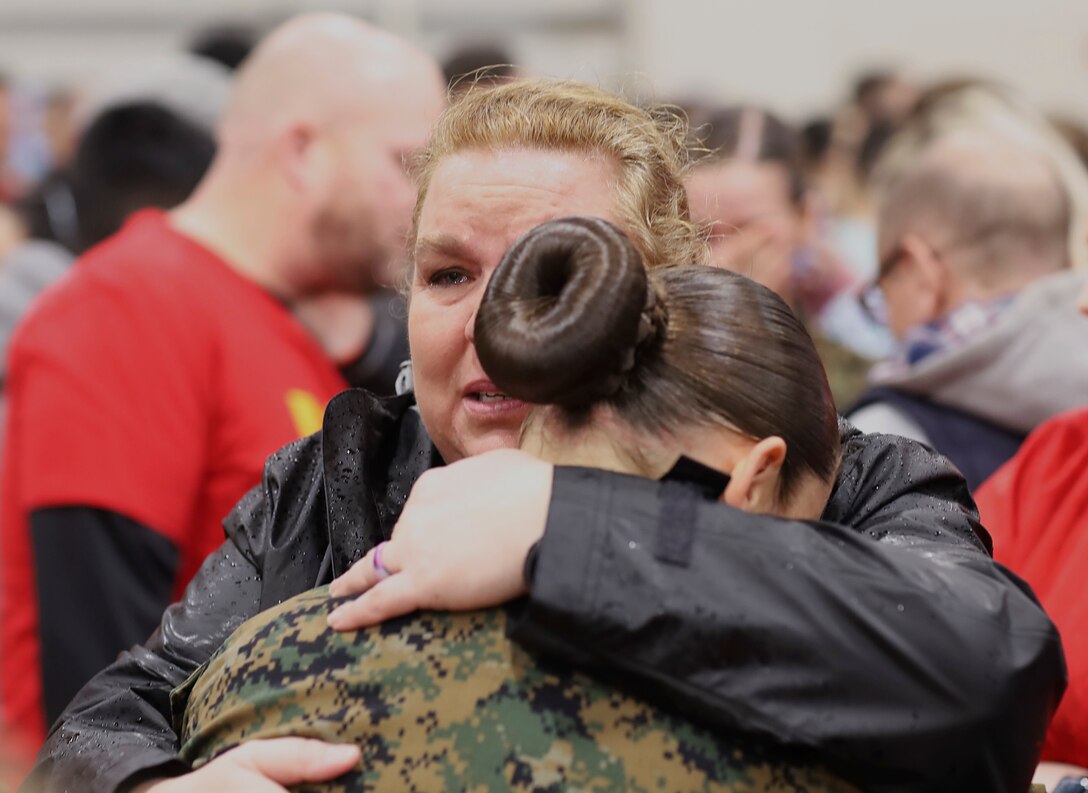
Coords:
974,283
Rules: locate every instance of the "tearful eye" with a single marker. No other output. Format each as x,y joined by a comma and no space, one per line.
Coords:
448,278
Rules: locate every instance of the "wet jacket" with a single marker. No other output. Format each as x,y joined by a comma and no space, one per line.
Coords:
883,637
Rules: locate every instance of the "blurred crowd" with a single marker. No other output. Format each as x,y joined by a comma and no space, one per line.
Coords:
931,237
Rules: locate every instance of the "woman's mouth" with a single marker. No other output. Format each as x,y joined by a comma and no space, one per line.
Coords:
484,400
481,396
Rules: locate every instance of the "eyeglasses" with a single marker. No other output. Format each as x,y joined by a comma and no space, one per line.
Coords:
871,298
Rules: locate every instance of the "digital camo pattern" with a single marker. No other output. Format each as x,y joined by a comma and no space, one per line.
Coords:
442,701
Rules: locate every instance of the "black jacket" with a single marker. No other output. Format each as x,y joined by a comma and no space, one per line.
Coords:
895,648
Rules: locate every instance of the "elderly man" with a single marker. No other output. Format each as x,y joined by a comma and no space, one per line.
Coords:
147,389
974,274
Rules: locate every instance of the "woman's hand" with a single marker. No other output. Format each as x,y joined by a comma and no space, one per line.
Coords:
460,543
264,767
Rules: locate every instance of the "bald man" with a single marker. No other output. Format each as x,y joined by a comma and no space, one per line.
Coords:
147,390
975,278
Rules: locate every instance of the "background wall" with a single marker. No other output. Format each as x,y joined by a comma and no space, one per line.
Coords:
795,55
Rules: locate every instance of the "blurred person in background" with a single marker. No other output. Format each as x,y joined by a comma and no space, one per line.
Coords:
142,140
59,125
975,283
191,88
6,130
478,66
11,229
146,389
1075,134
885,96
882,638
227,45
132,156
750,194
1036,508
840,150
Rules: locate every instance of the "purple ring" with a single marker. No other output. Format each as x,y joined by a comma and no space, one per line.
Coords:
382,571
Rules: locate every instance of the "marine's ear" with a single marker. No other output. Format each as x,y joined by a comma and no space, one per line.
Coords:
753,484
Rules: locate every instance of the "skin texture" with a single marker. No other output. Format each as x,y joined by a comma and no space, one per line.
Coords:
933,261
914,284
265,767
754,227
478,204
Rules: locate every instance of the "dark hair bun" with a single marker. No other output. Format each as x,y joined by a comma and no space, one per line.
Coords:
565,312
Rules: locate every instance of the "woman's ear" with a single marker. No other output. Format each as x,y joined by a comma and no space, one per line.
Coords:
753,485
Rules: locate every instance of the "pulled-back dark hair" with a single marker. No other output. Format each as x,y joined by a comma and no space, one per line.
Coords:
572,318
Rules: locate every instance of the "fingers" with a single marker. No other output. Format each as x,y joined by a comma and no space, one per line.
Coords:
392,597
363,575
289,761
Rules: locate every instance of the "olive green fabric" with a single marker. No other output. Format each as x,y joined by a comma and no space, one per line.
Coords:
441,701
847,372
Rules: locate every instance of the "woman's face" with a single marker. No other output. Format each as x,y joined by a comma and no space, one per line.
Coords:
754,227
478,203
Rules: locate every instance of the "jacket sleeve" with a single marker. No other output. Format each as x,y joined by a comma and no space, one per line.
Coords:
118,729
103,581
884,637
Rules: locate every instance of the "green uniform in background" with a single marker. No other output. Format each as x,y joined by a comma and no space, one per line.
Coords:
441,701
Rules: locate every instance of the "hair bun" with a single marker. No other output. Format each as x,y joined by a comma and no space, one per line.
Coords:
565,312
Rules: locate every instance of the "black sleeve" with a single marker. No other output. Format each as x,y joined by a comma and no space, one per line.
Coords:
103,583
119,729
893,647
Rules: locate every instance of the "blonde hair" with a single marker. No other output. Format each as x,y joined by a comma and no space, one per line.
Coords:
648,145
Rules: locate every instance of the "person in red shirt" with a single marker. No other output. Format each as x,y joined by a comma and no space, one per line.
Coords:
1036,508
147,388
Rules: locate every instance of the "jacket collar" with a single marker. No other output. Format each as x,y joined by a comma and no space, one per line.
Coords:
373,450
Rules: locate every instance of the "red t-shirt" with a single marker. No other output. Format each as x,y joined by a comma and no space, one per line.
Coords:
1036,509
153,382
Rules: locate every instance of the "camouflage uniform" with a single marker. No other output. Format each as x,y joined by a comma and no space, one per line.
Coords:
441,701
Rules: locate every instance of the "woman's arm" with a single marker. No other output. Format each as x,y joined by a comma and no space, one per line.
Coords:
887,641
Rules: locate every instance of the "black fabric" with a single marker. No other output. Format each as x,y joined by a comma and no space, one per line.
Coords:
709,481
103,581
685,482
976,446
376,369
776,628
894,648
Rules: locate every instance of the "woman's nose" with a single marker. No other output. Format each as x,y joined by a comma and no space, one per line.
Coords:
470,326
